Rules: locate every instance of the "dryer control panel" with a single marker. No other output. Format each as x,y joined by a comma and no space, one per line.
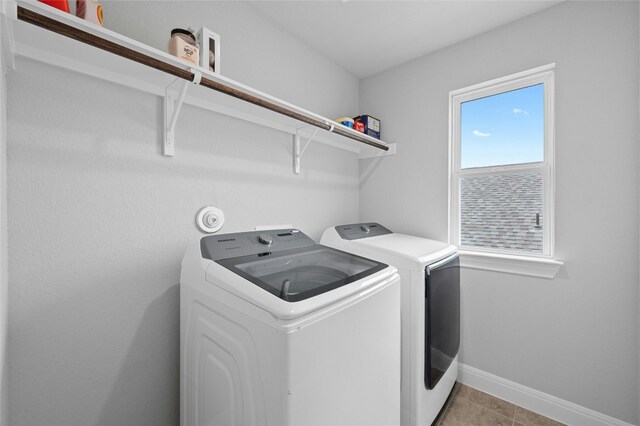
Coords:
226,246
356,231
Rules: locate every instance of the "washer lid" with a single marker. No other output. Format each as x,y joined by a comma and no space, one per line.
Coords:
298,274
286,262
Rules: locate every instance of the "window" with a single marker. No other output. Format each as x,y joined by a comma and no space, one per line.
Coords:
501,171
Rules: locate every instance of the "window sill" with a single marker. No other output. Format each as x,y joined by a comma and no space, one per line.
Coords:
512,264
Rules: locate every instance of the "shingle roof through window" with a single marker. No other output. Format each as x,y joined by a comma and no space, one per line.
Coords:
499,211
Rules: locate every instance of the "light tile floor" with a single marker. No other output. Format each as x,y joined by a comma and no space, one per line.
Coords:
469,406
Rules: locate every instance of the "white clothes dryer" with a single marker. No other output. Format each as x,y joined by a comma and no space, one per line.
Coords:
430,280
278,330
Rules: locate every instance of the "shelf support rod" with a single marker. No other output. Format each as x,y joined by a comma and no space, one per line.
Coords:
172,107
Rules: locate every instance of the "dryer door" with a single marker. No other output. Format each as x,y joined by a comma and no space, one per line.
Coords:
442,318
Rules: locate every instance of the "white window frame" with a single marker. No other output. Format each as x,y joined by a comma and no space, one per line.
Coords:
526,263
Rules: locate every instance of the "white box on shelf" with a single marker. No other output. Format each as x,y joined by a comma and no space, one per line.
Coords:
209,50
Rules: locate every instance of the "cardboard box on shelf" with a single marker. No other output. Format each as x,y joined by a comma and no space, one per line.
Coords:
371,125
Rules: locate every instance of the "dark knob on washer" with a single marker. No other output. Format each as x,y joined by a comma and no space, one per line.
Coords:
365,228
265,239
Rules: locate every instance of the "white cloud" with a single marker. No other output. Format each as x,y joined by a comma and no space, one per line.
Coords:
520,111
480,134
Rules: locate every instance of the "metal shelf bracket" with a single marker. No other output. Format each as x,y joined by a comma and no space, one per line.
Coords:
173,100
8,14
297,152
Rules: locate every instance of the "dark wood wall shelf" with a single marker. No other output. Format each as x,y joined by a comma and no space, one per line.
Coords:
81,46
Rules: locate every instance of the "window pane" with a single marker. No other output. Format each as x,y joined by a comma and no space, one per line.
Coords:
499,211
503,129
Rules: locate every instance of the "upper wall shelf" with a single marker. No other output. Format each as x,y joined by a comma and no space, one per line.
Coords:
81,46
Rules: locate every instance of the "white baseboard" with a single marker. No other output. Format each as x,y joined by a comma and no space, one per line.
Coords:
531,399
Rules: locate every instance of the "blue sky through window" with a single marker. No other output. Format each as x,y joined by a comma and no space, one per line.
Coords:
507,128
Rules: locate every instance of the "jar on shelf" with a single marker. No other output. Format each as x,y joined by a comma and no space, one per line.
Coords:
183,44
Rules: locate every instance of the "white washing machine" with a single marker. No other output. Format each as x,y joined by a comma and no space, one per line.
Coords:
278,330
430,275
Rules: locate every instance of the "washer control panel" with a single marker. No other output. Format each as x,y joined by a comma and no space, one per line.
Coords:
356,231
226,246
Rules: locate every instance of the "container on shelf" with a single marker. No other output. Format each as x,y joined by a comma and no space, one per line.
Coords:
63,5
209,49
371,125
90,10
183,44
345,121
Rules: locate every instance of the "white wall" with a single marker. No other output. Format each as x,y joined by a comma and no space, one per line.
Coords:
3,231
99,220
576,336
